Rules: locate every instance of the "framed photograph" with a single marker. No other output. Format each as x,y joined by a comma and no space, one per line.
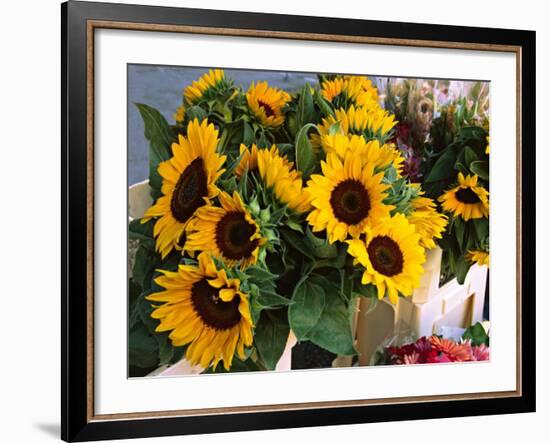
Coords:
277,221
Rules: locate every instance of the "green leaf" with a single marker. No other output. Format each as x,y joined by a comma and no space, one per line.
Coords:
305,112
459,266
368,291
242,186
165,349
337,262
333,330
291,123
320,246
259,273
270,299
481,229
144,265
469,155
443,167
271,335
142,347
141,231
308,302
305,157
160,137
476,333
472,133
460,167
296,241
460,231
323,105
134,299
196,112
237,365
134,290
480,168
277,215
295,226
248,134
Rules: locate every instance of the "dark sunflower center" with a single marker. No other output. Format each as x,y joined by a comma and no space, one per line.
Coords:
233,234
466,195
385,255
189,191
269,112
212,309
350,202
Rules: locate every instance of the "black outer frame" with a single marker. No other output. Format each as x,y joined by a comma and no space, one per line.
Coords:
74,421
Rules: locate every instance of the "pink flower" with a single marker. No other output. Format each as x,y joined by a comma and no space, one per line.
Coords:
480,353
434,349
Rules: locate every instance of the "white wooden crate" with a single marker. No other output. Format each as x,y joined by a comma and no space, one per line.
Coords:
429,308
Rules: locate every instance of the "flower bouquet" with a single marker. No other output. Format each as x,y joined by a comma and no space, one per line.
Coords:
443,134
273,211
472,346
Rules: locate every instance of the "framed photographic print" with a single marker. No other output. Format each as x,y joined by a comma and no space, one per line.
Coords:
279,221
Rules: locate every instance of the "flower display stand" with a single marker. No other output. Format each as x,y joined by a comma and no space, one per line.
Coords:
430,308
139,200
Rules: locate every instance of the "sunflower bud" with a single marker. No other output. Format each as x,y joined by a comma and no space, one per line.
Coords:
292,123
265,215
254,206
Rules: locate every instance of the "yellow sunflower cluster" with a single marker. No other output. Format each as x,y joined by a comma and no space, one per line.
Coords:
351,198
357,111
232,166
350,202
348,90
203,308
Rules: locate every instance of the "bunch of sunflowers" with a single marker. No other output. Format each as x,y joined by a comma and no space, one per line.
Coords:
273,211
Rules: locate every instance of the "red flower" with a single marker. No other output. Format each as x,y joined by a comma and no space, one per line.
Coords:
402,131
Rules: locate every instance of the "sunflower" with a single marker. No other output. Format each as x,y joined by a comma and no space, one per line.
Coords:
188,182
350,90
277,174
229,232
204,85
249,159
488,148
361,88
205,309
179,115
427,221
370,151
467,200
371,122
478,256
347,197
266,103
392,257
